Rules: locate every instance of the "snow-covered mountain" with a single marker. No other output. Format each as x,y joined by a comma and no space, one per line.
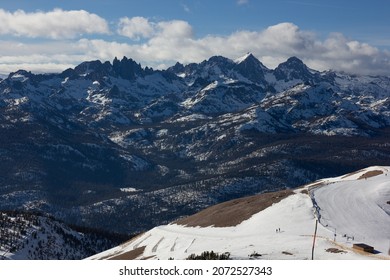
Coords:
351,209
93,145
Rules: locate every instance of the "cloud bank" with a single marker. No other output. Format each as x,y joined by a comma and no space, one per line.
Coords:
169,41
160,44
56,24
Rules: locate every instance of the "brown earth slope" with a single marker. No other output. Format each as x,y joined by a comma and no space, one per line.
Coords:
233,212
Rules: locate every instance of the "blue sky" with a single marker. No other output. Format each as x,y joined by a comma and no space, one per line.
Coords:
51,35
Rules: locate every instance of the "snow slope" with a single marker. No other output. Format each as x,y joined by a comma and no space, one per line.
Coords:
354,205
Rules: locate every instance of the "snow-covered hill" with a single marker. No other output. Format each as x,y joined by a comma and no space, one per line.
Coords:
354,208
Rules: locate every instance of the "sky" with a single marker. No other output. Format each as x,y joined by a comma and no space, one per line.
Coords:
53,35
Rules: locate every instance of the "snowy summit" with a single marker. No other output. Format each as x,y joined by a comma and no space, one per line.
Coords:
243,58
352,209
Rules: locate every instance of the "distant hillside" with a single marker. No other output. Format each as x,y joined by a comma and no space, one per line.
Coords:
28,236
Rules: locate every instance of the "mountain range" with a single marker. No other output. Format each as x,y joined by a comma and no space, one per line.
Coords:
121,147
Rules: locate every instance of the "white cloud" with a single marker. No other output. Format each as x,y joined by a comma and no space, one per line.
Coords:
174,29
140,27
166,42
135,28
56,24
174,41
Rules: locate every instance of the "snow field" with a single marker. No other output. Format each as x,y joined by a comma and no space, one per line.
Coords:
355,208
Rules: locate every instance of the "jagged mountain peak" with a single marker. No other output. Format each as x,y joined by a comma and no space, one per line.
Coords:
125,68
218,59
242,58
293,68
217,64
246,68
88,65
93,66
20,74
248,58
177,68
250,67
294,61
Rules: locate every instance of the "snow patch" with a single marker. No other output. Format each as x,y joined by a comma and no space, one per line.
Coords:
129,190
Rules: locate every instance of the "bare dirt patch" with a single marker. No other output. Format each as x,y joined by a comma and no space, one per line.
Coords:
130,255
232,213
335,251
370,174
